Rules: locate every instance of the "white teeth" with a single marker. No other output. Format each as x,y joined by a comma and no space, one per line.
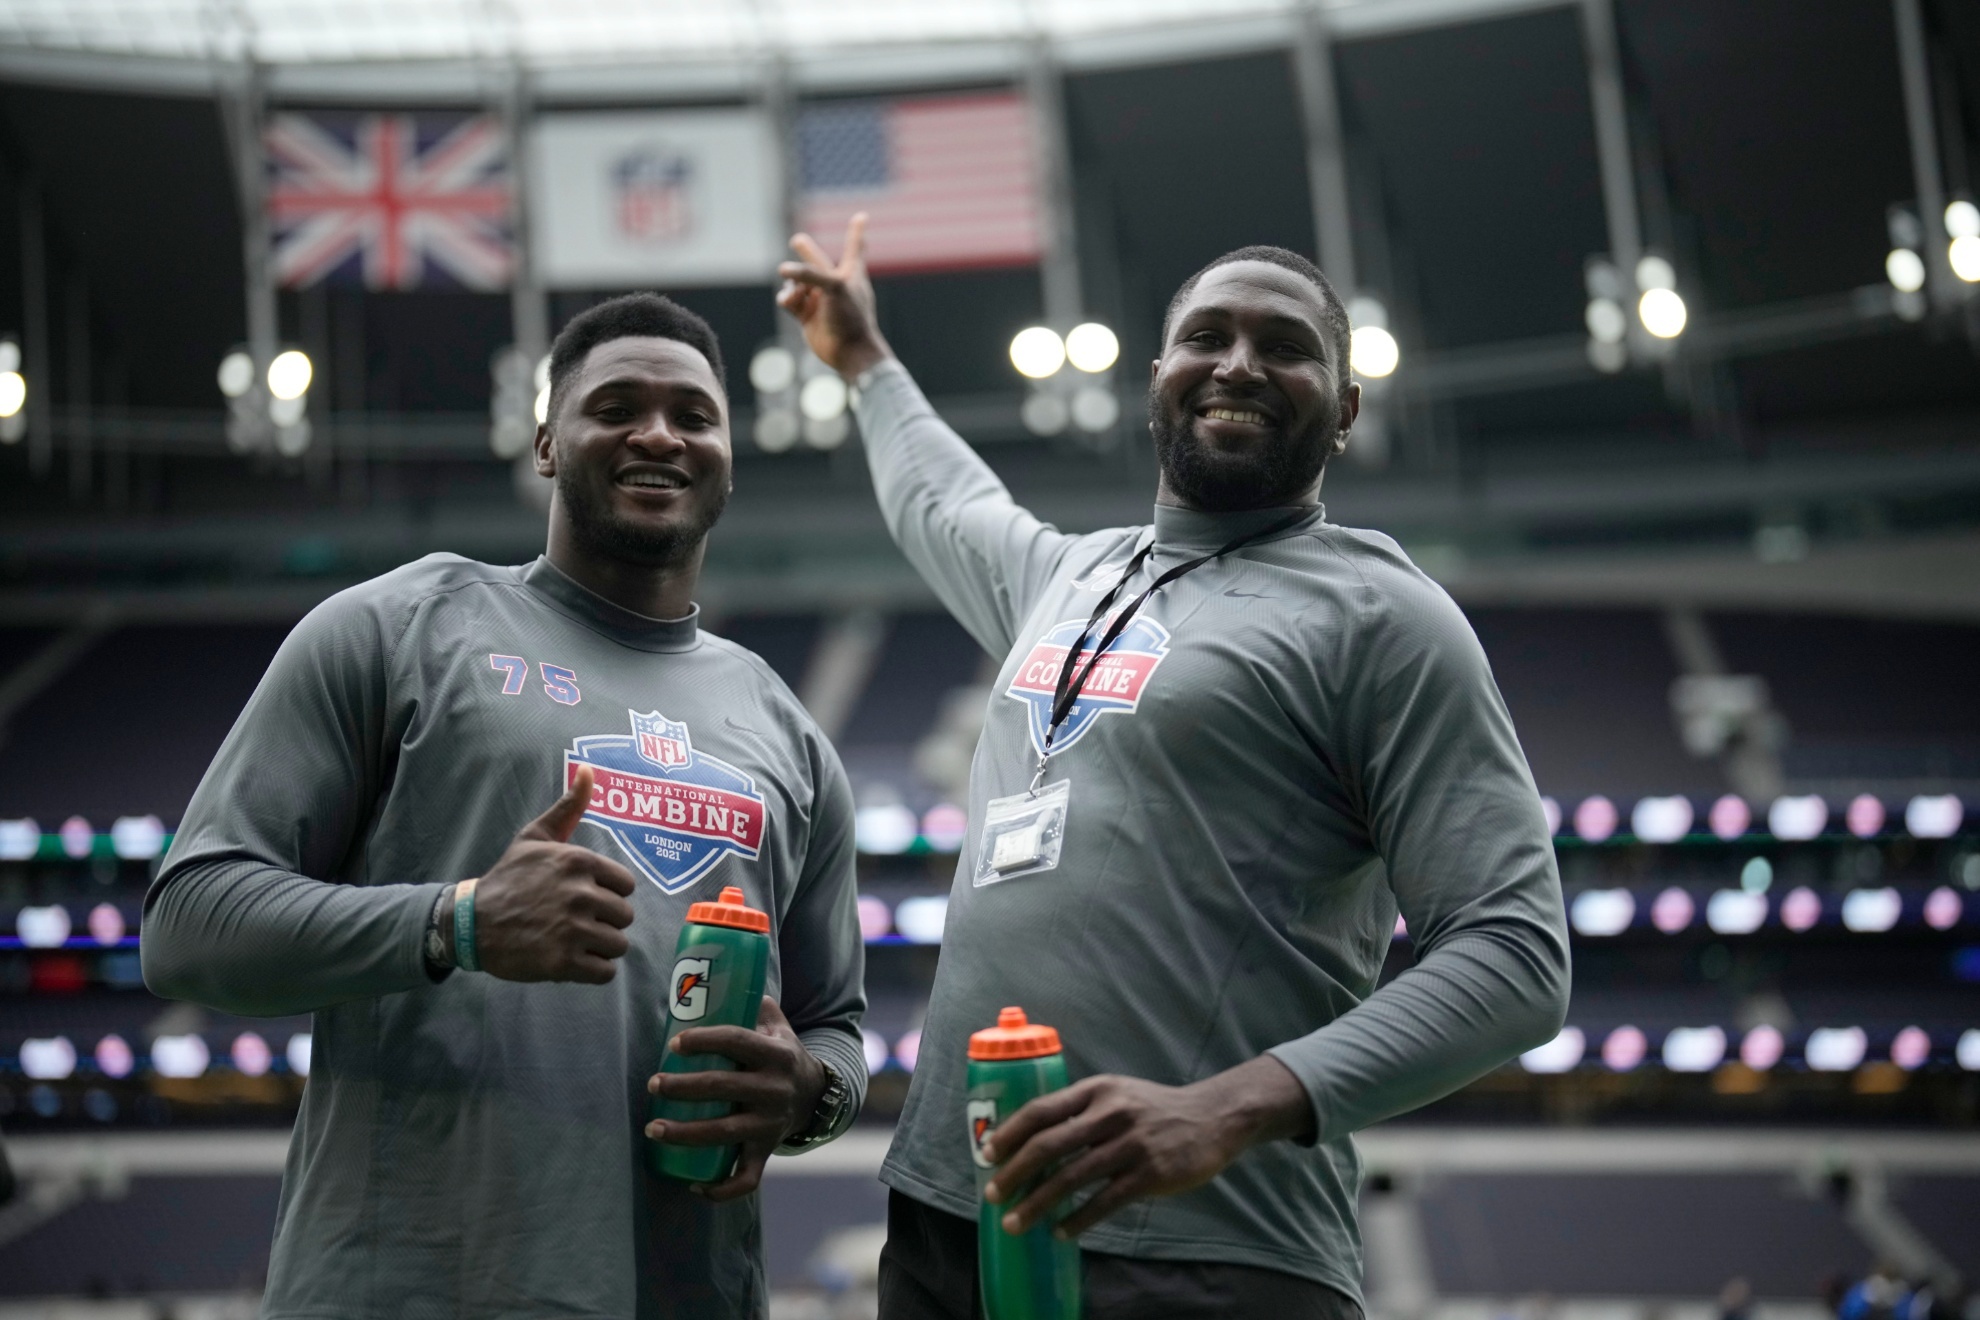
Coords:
1235,415
651,479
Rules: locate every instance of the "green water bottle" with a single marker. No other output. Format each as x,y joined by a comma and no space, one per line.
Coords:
719,965
1026,1276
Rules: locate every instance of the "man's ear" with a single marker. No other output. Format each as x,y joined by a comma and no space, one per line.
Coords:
545,446
1350,409
1154,370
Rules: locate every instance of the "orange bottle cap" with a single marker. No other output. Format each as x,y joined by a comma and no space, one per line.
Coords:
1013,1038
730,910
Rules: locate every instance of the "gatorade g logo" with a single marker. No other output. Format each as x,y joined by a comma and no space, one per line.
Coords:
1114,686
690,997
982,1122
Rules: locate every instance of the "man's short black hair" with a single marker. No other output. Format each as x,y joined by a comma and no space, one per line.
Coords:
628,316
1336,317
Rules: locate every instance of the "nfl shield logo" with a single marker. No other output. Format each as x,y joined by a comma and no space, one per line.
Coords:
661,740
650,185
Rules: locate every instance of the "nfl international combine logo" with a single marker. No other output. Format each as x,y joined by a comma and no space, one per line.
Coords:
1115,686
674,811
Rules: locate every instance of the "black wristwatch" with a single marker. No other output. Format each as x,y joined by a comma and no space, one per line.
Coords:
825,1119
438,945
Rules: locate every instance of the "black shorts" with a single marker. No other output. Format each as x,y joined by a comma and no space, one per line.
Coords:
928,1272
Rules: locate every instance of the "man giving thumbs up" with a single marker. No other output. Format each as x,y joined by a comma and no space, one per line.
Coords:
488,977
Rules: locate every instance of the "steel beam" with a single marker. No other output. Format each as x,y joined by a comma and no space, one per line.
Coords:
1915,71
1326,157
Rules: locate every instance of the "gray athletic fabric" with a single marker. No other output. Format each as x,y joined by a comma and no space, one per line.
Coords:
473,1146
1321,745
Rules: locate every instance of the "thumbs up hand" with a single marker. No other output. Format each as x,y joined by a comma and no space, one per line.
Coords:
548,910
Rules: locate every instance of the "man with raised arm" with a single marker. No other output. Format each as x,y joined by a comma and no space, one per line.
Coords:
490,978
1223,752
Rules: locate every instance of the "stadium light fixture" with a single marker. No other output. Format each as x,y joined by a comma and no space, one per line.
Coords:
106,924
1662,312
236,374
773,369
1964,255
1038,352
1661,819
1373,352
114,1057
1735,912
823,397
1596,818
1045,412
1624,1048
13,393
1672,910
1094,408
1607,322
1798,817
1911,1047
1801,909
251,1055
1092,347
1962,218
180,1056
1835,1049
1943,908
42,927
1905,270
1694,1049
1934,816
1864,816
1871,911
1762,1047
1730,817
920,919
1602,912
290,373
48,1058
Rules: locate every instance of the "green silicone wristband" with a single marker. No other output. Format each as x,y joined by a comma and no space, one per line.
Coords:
464,951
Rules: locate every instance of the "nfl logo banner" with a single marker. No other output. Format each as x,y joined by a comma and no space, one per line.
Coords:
398,201
672,199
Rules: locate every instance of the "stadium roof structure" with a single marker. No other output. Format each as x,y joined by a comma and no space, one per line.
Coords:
445,48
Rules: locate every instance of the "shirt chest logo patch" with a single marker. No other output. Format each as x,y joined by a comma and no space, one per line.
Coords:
674,811
1114,687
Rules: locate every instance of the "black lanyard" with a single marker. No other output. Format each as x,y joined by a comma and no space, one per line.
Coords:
1066,692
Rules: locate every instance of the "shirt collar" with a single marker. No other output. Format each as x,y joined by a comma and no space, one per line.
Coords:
1200,531
568,596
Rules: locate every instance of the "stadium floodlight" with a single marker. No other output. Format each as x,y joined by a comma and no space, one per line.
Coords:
10,355
290,373
1871,911
1905,270
1662,312
920,919
1864,816
13,393
1762,1047
1735,912
1798,817
236,375
1661,819
1672,910
1373,352
137,838
43,927
1654,272
1094,408
1602,912
1801,909
823,397
1694,1049
874,1046
1045,412
1596,818
48,1058
1943,908
1964,255
1835,1049
287,412
776,430
1038,352
1561,1054
19,839
827,432
1624,1048
1730,817
773,369
1911,1047
1962,218
180,1056
1607,322
1934,816
1092,347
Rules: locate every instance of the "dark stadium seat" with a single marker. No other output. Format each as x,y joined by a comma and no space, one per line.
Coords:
1947,1211
207,1234
926,656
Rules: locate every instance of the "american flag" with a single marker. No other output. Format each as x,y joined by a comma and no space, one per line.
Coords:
950,182
397,201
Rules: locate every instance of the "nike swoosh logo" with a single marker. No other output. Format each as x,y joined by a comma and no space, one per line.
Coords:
1252,595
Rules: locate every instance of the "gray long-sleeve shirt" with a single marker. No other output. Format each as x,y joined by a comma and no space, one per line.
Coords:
473,1146
1301,739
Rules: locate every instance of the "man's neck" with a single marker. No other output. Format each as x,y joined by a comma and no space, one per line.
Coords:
1166,494
658,591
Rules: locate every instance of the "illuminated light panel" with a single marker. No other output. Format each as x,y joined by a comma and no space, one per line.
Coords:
44,927
251,1054
884,829
875,917
1943,908
1672,911
1600,912
1596,818
137,838
874,1046
289,374
1624,1048
1694,1049
1967,1052
1729,817
106,923
179,1056
1762,1048
945,826
1864,816
1934,816
48,1058
1661,819
1870,911
77,837
19,840
773,369
300,1051
1561,1054
1801,909
1373,352
1905,270
823,397
1798,818
1662,312
114,1057
1835,1049
1037,352
1551,810
920,919
1735,912
1963,254
1911,1048
1092,347
908,1049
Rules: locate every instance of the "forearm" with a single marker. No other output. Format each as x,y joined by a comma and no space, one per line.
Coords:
248,938
1477,1000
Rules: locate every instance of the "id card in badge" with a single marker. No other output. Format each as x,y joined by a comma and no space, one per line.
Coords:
1022,834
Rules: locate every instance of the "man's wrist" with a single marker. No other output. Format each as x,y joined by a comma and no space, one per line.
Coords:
437,946
1263,1101
859,359
822,1097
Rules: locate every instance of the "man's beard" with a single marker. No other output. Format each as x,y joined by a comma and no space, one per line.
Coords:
595,526
1277,475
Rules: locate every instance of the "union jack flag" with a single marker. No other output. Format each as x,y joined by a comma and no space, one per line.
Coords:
396,201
